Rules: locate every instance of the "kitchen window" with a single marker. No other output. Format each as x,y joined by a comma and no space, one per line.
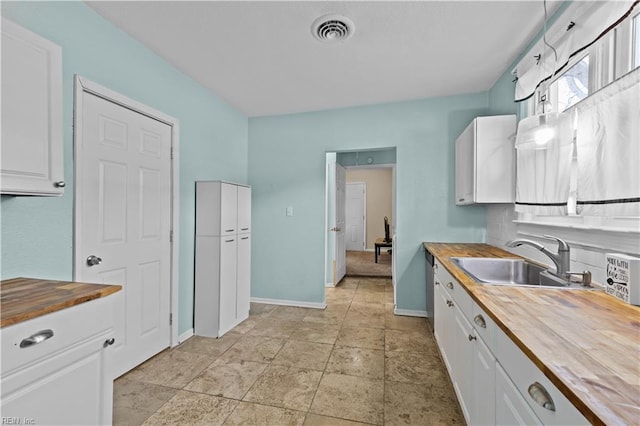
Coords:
599,64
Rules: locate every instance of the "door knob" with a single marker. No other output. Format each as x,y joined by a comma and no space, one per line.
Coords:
93,260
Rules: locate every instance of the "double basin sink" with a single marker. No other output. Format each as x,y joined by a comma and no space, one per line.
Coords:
510,272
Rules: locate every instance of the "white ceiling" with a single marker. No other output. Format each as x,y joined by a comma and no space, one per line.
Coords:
262,58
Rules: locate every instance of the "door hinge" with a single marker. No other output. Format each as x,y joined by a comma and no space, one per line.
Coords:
171,236
171,319
171,153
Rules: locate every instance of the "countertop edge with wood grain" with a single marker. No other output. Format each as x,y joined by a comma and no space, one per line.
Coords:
564,333
22,299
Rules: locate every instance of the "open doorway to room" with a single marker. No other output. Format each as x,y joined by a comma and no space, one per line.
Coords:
360,194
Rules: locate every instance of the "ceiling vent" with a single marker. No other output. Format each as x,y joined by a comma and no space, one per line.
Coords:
332,28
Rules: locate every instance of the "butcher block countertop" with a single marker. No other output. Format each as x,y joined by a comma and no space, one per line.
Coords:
25,298
586,342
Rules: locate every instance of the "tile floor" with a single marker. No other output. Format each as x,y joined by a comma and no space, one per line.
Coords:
353,363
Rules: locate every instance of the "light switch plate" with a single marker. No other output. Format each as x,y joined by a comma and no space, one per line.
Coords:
289,211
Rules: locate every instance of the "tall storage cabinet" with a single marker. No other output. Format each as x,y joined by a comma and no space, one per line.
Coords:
485,161
222,257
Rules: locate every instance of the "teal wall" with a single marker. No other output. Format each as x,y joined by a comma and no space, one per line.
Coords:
37,232
287,167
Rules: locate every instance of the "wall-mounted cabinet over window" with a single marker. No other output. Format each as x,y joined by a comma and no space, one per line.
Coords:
31,114
485,161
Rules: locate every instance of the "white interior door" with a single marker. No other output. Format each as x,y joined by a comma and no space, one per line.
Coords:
339,228
123,219
355,216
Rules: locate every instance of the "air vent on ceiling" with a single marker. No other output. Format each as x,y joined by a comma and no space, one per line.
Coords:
332,28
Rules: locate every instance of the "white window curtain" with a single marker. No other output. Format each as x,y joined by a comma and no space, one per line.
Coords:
580,25
608,149
543,171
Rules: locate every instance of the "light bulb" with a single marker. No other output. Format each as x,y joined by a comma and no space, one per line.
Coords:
543,136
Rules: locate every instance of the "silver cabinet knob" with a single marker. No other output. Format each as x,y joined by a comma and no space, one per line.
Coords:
93,260
109,342
450,285
471,338
59,184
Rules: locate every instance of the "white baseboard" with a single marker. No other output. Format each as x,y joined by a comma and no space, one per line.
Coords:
410,313
184,336
284,302
329,284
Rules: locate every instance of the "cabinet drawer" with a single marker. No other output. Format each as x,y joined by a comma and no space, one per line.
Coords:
484,326
70,326
524,373
455,290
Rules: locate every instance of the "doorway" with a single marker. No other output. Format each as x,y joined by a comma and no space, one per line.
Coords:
359,164
125,216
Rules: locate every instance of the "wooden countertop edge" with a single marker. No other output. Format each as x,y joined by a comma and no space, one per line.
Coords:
584,408
97,294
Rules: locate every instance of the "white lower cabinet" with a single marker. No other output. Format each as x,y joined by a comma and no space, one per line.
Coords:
495,382
65,378
511,407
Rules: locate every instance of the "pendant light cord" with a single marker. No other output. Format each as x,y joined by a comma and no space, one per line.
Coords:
553,49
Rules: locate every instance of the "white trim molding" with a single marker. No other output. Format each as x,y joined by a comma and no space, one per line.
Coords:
83,85
285,302
410,313
184,336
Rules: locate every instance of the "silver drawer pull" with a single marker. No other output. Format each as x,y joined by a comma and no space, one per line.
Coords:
478,319
450,285
244,229
229,230
229,241
541,396
244,238
34,339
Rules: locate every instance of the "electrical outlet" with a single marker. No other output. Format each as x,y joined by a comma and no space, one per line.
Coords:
289,211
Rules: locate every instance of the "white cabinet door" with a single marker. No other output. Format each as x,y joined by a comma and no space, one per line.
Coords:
228,279
229,209
244,277
31,159
443,323
511,408
244,209
483,405
462,352
465,165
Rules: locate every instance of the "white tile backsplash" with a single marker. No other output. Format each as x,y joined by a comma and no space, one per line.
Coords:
500,229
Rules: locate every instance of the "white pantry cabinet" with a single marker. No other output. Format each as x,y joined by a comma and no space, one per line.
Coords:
485,161
222,257
56,368
32,162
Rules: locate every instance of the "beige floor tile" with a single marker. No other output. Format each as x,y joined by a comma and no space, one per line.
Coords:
172,368
134,402
247,325
276,328
415,367
261,309
286,387
399,322
289,313
229,379
326,316
414,404
254,348
369,298
349,282
318,420
317,333
349,397
188,408
360,319
295,353
209,345
367,308
409,341
360,337
250,414
359,362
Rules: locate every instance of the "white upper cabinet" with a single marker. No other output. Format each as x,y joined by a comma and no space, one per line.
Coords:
485,161
31,160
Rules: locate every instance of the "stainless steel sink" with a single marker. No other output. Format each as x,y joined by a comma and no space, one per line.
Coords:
512,272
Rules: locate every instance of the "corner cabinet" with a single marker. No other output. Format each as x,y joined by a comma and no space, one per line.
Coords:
56,368
485,161
32,162
222,257
494,381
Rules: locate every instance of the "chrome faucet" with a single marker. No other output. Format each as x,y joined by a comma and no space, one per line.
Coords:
561,260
